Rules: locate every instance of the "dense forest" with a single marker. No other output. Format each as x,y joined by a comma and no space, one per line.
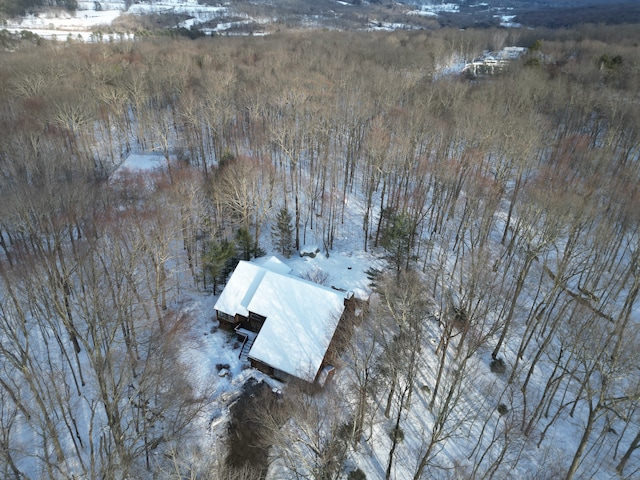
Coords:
504,206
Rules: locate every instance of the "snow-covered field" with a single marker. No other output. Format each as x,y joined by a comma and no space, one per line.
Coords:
59,24
429,10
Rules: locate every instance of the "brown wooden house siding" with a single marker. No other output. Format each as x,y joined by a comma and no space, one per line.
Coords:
263,367
256,321
227,321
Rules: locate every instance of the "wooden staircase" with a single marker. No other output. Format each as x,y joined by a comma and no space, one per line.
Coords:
247,343
246,347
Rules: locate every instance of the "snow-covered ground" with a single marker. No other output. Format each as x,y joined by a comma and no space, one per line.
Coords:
215,367
209,348
430,10
138,162
199,13
507,21
218,373
60,24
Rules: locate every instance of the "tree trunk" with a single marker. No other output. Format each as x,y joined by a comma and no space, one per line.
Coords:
635,443
583,443
392,391
520,283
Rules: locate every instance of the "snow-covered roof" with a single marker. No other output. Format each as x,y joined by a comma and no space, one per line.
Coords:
240,289
301,316
274,264
138,164
301,320
139,172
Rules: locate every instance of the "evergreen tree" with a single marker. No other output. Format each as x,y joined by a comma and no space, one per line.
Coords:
244,240
282,232
396,240
218,260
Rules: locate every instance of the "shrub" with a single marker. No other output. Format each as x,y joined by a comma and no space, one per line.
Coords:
397,434
498,366
535,46
316,276
227,157
532,62
356,474
460,318
345,431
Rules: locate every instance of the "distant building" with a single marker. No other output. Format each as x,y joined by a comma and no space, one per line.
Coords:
287,323
492,63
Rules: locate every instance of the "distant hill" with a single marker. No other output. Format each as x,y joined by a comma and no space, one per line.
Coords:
368,15
598,12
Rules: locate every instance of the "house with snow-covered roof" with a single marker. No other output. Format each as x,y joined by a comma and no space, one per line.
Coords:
287,323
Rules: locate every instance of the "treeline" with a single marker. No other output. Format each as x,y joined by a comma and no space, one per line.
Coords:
513,197
21,7
609,13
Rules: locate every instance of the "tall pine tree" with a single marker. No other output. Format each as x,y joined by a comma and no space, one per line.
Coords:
282,232
245,242
396,240
217,262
